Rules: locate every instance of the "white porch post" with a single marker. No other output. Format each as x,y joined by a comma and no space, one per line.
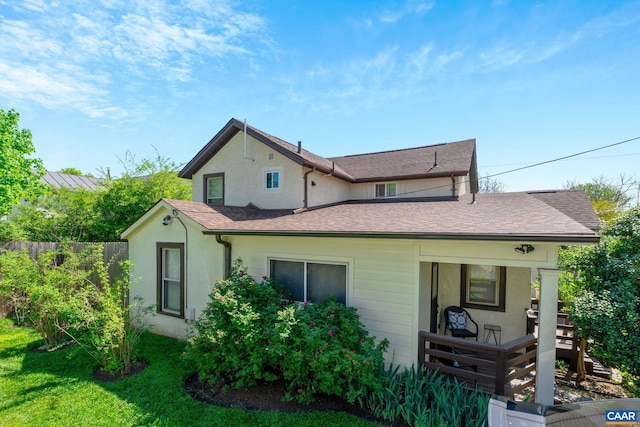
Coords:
547,320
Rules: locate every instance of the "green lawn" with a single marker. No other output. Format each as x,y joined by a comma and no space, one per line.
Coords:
56,389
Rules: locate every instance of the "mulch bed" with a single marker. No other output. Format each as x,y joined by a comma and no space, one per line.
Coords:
102,375
267,396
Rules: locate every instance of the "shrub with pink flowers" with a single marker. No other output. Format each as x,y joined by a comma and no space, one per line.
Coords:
250,332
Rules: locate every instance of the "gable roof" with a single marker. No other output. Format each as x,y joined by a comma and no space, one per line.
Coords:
58,180
497,216
455,158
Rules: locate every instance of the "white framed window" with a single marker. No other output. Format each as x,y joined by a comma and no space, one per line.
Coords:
483,287
386,190
272,180
214,189
311,280
170,260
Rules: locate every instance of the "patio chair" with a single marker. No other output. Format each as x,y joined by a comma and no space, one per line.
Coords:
458,322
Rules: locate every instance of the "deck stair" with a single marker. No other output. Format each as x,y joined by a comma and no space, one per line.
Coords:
567,345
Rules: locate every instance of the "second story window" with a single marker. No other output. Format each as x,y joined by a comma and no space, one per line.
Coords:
386,190
272,180
214,189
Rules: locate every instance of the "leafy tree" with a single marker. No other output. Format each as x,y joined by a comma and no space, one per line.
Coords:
141,185
74,171
19,174
608,197
606,292
486,184
79,214
65,214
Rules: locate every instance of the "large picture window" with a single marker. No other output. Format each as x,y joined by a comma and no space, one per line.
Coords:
214,189
170,262
311,281
483,287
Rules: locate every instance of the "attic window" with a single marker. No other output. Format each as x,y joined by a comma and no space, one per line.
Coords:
270,156
386,190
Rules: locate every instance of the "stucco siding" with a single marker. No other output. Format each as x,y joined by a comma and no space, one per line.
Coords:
244,179
325,189
204,265
431,187
512,321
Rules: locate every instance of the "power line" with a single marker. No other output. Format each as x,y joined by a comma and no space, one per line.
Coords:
584,158
564,158
528,166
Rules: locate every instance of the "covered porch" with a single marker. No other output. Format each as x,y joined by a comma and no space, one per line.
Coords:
512,363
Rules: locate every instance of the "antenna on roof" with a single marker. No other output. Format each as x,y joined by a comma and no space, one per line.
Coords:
245,142
435,162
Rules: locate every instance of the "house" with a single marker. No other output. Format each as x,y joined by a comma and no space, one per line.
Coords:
400,234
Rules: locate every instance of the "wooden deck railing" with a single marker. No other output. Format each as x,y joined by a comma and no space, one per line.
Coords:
505,369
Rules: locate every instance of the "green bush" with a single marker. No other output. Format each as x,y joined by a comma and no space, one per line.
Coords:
249,332
66,294
46,291
426,398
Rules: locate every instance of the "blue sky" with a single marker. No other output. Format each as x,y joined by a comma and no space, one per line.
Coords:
531,81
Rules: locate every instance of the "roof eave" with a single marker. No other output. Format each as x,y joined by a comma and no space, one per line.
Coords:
549,238
414,176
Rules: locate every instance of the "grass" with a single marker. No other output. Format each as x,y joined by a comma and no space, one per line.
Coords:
57,389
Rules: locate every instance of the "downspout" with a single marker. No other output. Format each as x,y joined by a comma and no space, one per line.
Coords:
227,255
186,261
305,202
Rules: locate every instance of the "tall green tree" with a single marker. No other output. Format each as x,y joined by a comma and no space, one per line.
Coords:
19,173
605,304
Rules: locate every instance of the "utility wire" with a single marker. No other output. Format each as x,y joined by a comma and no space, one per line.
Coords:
528,166
564,158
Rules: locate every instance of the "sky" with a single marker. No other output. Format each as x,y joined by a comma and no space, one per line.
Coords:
531,81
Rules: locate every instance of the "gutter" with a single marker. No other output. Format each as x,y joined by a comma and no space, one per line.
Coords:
568,239
227,253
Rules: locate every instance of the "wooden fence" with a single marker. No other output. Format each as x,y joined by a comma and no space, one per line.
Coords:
112,253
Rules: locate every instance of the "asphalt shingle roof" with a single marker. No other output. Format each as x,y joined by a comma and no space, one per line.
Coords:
454,158
492,216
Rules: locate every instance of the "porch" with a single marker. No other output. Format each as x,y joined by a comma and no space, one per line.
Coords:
505,369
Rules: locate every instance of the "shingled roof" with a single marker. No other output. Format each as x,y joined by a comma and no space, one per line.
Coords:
499,216
454,158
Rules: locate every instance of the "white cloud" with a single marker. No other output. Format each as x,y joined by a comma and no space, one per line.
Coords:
73,50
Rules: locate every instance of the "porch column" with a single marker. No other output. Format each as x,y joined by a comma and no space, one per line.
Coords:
547,321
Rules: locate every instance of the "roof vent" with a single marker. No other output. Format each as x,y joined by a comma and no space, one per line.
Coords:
299,147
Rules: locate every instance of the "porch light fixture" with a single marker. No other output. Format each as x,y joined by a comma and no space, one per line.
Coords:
524,249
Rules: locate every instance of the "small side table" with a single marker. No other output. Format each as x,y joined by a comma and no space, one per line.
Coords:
494,331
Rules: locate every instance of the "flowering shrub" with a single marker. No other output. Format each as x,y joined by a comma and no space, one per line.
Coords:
249,332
